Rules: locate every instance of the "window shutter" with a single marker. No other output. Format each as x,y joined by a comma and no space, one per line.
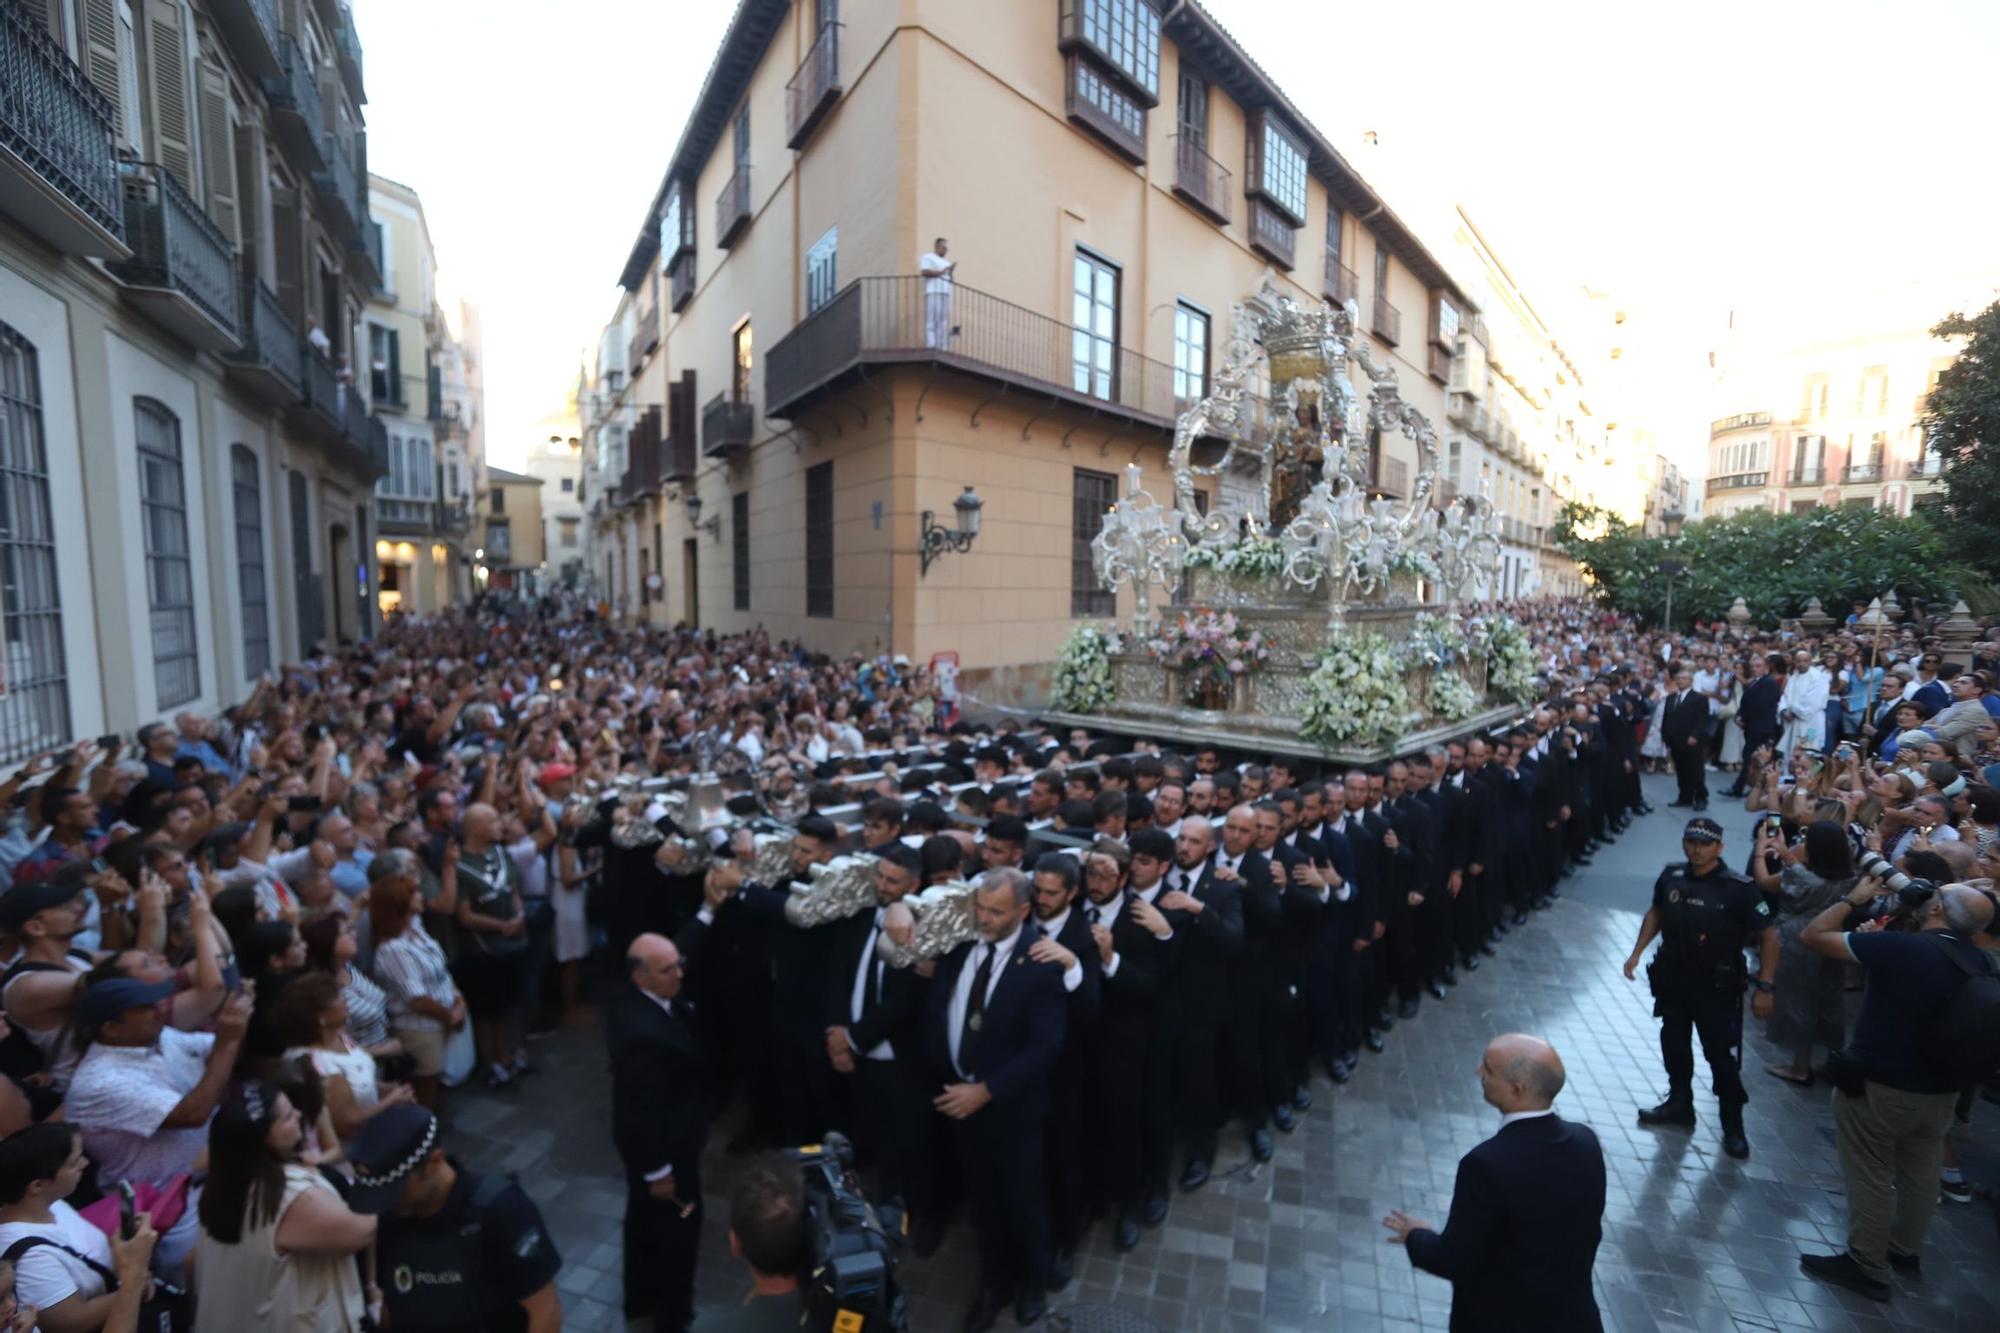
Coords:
48,13
167,90
218,148
100,52
287,250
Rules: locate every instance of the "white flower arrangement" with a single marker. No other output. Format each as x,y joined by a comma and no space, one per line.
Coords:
1083,681
1510,658
1356,693
1451,696
1256,557
1412,560
1435,641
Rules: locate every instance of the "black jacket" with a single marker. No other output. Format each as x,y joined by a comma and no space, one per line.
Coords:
1527,1213
899,1004
1021,1030
1684,716
659,1115
1758,710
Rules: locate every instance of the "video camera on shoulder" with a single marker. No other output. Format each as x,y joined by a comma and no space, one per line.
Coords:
850,1278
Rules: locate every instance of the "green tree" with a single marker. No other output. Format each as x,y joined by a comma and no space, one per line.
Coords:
1963,426
1774,562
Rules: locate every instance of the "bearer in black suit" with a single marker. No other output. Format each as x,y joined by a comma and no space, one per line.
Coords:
1256,979
1126,1055
1527,1211
874,1040
1684,728
993,1032
659,1120
1757,714
1206,912
1066,939
1298,866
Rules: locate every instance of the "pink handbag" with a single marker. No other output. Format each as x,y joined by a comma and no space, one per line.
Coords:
163,1207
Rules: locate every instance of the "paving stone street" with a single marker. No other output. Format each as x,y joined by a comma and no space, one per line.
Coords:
1692,1239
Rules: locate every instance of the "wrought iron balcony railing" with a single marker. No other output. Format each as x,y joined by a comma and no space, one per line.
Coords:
814,87
894,320
732,207
322,407
339,193
1438,363
179,253
727,425
1388,322
296,114
250,27
680,278
1338,283
1808,476
1272,234
1862,472
1739,481
347,43
1200,179
58,170
269,357
645,335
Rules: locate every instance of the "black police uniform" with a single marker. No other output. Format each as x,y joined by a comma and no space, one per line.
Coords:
1698,975
468,1266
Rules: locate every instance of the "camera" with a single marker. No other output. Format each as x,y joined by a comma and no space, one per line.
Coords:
1882,868
1907,897
850,1278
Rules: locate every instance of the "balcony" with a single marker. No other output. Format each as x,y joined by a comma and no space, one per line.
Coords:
334,181
399,517
814,88
182,271
1094,102
1272,234
1080,26
727,425
1437,363
732,207
1201,180
322,406
1739,481
1741,421
499,542
677,461
1388,322
364,256
680,279
455,517
296,117
1337,282
250,27
268,362
877,322
347,46
645,336
58,170
1862,472
1807,476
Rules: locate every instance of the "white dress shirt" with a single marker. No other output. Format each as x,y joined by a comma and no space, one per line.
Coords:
961,995
1512,1116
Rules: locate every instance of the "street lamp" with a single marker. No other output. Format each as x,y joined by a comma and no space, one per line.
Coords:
1670,526
935,540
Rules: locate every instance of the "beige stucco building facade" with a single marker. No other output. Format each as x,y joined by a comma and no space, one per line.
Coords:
774,410
510,552
185,250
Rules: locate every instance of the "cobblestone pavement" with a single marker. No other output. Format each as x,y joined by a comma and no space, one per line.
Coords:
1692,1239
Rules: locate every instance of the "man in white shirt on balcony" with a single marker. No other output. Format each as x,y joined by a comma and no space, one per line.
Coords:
937,273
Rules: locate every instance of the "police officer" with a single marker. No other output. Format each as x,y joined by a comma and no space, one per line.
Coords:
458,1251
1705,915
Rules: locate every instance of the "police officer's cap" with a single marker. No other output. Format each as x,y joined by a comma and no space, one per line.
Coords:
392,1144
1702,829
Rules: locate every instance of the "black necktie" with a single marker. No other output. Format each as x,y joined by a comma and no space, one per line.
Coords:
975,1009
1090,913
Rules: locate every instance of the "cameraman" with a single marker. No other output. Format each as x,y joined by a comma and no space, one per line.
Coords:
1895,1104
767,1231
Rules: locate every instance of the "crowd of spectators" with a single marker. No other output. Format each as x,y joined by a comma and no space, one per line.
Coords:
250,954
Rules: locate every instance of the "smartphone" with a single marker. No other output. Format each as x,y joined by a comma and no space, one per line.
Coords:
302,804
110,742
128,1210
98,865
63,758
1774,824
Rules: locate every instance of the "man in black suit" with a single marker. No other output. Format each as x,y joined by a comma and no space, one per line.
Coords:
993,1032
1336,971
1066,939
1255,977
800,957
1527,1211
1304,892
1684,728
874,1040
1757,713
1206,912
659,1120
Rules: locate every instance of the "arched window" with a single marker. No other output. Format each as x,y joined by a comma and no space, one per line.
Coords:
169,558
34,715
248,493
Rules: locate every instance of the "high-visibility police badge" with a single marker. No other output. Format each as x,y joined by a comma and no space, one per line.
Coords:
530,1241
1673,895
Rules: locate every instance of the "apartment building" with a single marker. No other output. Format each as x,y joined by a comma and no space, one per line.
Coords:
1520,426
510,553
1836,425
424,502
789,411
185,251
556,460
